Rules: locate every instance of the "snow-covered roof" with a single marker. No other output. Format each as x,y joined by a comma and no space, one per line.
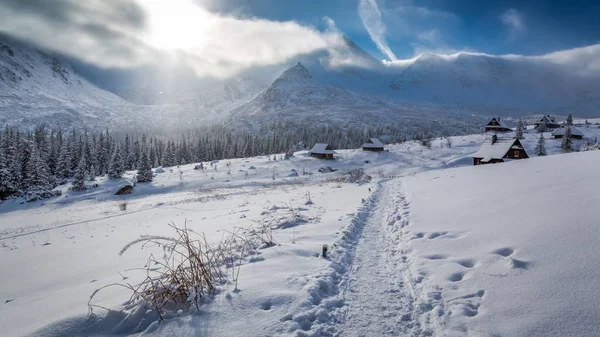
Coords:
563,130
547,119
495,150
373,143
322,148
500,126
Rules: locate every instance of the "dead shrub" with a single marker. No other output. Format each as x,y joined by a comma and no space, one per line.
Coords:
190,270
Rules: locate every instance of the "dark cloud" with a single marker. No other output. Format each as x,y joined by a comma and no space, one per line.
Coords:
104,32
125,13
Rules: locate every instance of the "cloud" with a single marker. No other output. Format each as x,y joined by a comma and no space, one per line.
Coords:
514,21
371,17
431,35
133,33
584,61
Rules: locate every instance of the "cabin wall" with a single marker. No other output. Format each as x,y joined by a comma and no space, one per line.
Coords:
322,156
373,149
477,161
516,154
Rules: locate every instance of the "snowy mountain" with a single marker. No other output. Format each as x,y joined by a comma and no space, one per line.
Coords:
297,97
38,87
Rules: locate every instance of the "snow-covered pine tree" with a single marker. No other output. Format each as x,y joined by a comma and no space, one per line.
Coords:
542,128
144,173
92,173
567,142
37,177
116,167
101,155
570,119
132,162
169,155
79,176
540,147
63,165
520,129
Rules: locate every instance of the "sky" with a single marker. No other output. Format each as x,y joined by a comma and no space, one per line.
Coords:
220,38
525,27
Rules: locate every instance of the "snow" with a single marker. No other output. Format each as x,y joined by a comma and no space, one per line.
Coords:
391,263
514,259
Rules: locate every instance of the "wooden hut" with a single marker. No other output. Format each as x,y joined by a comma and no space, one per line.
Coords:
548,121
496,125
373,144
322,151
562,131
496,150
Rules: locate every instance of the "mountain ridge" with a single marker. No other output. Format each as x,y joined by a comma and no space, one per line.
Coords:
39,87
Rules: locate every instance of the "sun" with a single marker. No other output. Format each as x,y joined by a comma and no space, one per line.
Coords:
176,24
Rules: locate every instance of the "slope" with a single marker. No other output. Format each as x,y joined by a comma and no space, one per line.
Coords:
507,250
37,87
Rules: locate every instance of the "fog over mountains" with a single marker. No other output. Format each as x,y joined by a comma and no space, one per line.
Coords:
40,87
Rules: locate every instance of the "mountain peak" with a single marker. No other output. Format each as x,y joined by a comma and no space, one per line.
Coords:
296,72
296,75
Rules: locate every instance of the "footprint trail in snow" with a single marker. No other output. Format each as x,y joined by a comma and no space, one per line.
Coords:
380,300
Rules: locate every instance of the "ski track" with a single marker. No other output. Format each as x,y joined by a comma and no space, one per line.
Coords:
379,293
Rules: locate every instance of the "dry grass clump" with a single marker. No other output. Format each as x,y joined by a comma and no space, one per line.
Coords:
190,269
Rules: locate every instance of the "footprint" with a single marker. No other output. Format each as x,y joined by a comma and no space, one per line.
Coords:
436,257
467,263
470,310
256,259
518,264
266,305
436,235
506,252
456,277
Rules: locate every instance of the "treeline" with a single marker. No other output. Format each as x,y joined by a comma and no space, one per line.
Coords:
39,160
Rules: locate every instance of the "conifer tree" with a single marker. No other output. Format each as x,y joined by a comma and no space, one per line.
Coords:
63,165
567,142
540,147
79,176
570,119
542,128
520,129
37,174
116,167
144,173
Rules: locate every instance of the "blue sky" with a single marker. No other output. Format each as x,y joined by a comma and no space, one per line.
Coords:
495,27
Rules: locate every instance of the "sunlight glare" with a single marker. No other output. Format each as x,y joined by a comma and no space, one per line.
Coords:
176,24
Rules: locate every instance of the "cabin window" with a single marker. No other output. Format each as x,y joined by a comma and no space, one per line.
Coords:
516,153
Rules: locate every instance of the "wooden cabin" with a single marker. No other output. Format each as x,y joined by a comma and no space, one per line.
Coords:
548,121
496,125
562,131
496,150
373,144
322,151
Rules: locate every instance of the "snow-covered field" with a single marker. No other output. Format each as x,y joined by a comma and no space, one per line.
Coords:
500,250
